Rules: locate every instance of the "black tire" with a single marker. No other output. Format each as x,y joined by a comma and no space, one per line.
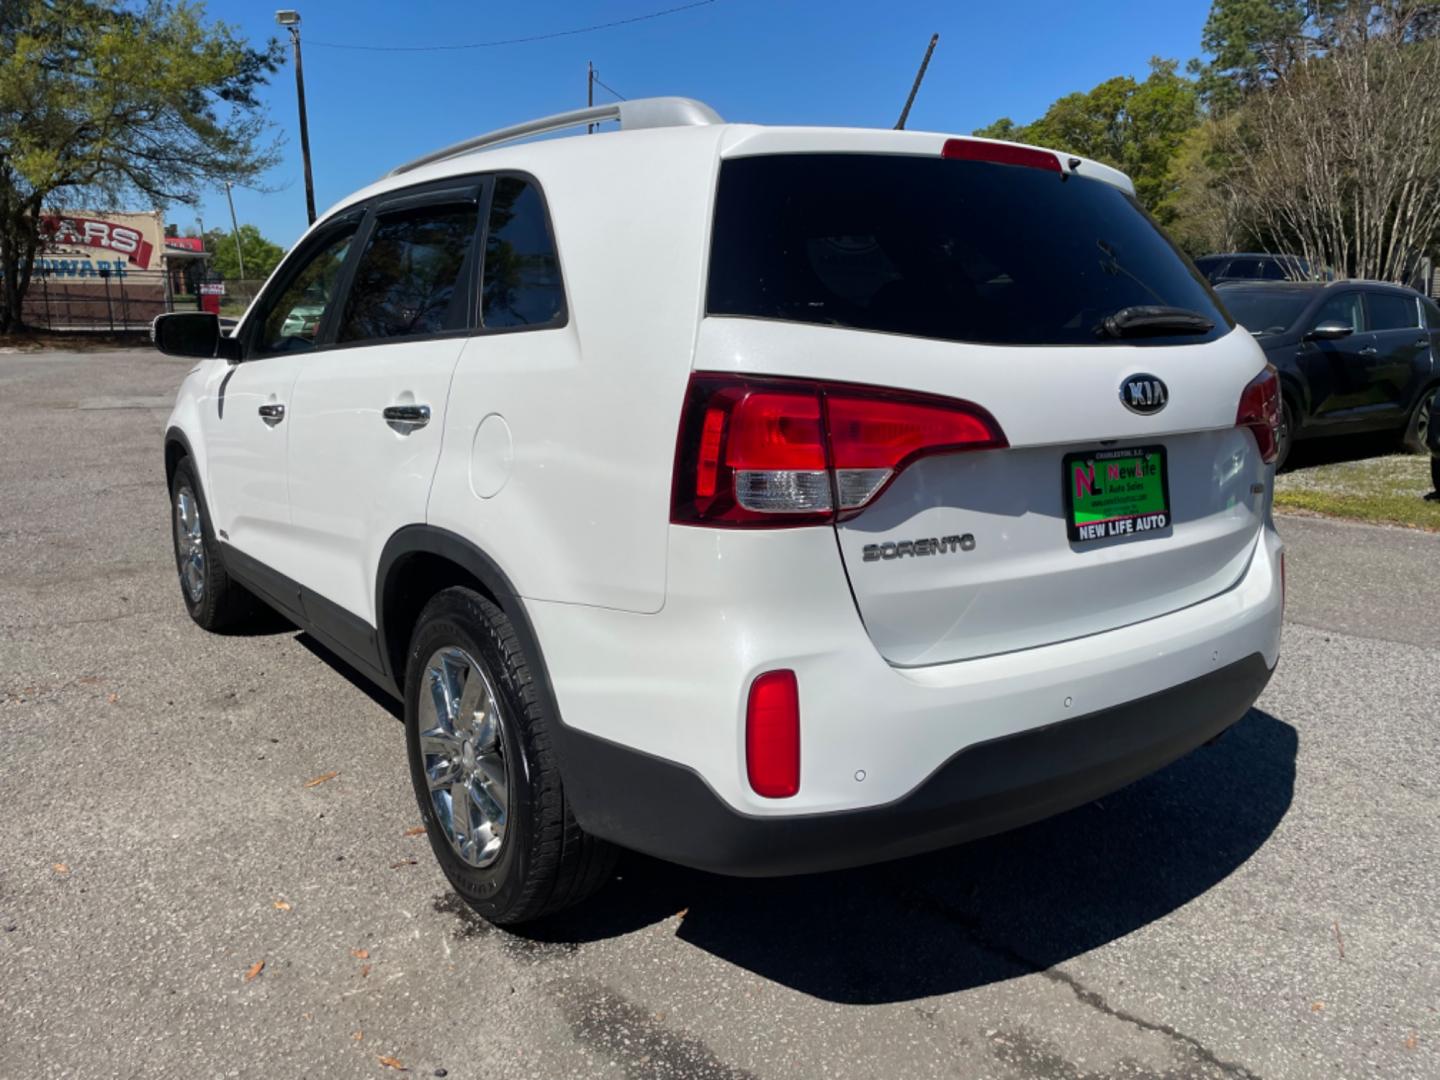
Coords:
1287,433
1435,473
1415,428
544,862
218,603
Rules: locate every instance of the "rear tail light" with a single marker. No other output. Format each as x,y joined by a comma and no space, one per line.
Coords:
772,735
1260,412
779,452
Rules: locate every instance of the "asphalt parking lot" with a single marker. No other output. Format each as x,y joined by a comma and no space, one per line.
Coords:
1266,907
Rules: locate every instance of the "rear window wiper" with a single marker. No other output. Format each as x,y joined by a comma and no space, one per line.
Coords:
1147,320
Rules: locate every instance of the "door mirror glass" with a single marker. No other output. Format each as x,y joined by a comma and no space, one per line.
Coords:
1330,330
192,333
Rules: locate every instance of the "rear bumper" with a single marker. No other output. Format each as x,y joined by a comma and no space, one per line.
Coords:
669,811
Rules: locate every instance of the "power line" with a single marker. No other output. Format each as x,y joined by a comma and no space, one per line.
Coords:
514,41
601,82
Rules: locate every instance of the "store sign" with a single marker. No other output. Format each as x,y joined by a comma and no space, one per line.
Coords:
185,243
64,231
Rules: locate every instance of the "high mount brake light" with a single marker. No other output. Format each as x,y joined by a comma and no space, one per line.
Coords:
766,453
998,153
1260,412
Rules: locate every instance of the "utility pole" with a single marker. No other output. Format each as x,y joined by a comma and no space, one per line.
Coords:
590,92
291,21
235,231
905,112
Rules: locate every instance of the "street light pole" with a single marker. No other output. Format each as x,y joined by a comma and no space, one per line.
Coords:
291,21
235,231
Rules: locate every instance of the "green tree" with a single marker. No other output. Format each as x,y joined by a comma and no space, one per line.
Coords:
261,256
1251,43
102,99
1135,126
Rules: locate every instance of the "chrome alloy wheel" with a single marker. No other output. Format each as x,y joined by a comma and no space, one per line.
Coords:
190,544
464,755
1422,417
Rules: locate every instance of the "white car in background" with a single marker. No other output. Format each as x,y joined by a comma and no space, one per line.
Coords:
766,499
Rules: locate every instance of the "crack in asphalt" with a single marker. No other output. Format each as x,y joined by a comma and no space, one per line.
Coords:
971,928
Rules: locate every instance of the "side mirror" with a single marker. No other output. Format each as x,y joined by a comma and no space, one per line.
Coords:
193,333
1330,330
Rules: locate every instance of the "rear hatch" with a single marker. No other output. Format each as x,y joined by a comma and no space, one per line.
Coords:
1121,487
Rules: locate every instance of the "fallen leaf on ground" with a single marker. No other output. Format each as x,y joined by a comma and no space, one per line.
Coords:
60,868
113,699
402,862
254,970
318,780
1319,1006
364,971
1411,1041
393,1063
418,830
282,905
89,680
358,1036
360,954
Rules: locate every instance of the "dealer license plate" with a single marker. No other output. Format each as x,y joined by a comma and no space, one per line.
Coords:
1120,492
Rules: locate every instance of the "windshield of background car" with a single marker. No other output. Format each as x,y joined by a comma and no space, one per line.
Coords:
949,249
1263,311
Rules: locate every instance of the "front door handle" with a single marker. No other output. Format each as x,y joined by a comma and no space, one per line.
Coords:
272,414
408,417
1422,342
1369,350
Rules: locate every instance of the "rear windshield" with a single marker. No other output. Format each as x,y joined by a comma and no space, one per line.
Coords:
949,249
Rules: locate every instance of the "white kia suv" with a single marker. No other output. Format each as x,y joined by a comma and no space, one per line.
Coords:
766,499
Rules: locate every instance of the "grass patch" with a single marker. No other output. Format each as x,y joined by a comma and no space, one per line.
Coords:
1389,490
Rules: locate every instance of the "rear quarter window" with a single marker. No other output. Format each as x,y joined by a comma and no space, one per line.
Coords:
948,249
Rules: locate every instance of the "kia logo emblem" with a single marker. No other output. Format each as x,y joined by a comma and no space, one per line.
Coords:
1144,394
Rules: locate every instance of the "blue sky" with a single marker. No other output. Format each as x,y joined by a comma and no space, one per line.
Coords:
768,61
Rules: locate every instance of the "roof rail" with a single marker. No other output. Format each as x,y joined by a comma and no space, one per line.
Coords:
641,113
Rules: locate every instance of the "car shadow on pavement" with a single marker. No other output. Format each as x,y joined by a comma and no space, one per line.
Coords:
984,912
1337,449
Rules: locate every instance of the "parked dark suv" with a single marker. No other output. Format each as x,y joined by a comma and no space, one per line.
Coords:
1353,355
1254,266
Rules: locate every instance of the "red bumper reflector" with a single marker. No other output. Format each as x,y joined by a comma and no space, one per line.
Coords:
772,735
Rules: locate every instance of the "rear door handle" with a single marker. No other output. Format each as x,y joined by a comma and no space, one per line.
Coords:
1369,350
272,414
1422,342
407,416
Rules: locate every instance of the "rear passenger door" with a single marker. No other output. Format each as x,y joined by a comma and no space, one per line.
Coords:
368,412
1402,363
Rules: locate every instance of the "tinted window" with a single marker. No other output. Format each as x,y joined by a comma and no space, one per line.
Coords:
1244,268
956,250
522,272
1261,310
294,318
1345,308
1211,265
1393,311
406,281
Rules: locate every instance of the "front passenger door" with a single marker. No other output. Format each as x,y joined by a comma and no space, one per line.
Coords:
245,427
368,410
1338,371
